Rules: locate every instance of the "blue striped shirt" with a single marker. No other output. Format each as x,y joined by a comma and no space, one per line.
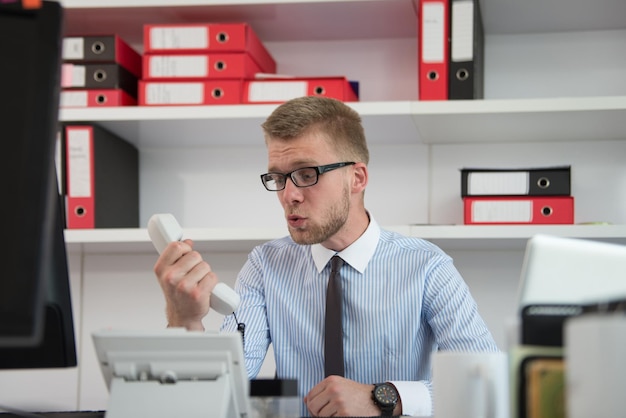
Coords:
402,299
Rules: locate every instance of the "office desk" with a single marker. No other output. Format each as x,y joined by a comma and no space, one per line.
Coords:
66,414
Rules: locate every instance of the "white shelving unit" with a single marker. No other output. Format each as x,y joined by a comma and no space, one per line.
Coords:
490,121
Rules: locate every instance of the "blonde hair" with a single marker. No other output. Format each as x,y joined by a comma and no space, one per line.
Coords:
339,123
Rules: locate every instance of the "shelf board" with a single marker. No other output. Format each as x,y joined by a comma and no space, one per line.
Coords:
129,240
521,120
187,126
435,122
511,237
448,237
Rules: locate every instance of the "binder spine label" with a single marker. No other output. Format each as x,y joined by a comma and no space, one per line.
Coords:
174,93
74,98
434,33
502,211
73,75
79,162
482,183
73,48
462,31
192,37
259,91
178,66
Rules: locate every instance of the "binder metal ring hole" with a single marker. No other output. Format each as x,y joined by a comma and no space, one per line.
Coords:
462,74
98,47
222,37
100,75
546,211
217,93
220,65
80,211
319,90
101,99
543,183
432,75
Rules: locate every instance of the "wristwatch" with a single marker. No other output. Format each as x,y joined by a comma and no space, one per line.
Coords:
386,397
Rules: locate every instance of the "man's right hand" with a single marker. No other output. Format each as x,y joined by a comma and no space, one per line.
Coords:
187,281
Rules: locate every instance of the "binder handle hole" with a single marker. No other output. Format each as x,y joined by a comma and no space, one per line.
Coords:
543,183
546,211
462,74
217,93
80,211
319,90
100,75
220,65
432,75
101,99
222,37
98,47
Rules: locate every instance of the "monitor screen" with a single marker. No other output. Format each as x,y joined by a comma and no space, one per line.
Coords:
571,271
561,278
36,328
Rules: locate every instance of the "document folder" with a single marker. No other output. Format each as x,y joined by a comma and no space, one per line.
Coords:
544,181
433,16
238,65
189,93
102,178
466,51
98,76
279,90
107,48
207,37
96,98
518,210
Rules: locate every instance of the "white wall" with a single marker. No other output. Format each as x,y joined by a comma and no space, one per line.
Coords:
219,186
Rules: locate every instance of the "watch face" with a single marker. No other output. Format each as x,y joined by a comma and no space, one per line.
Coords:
386,395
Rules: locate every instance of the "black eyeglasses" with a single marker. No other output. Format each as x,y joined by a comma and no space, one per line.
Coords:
302,177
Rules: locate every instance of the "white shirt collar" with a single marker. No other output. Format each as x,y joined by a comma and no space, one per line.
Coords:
357,254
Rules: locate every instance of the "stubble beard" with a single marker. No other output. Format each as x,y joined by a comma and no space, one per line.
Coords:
334,219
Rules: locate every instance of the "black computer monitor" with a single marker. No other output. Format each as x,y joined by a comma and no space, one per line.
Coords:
36,327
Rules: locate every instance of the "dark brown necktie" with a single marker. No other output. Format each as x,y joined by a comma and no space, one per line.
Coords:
333,344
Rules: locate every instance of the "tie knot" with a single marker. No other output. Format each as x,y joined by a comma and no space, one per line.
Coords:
335,263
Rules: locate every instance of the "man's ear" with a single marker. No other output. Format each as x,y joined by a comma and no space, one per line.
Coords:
360,177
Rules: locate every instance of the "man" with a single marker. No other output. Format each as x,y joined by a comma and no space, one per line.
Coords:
402,296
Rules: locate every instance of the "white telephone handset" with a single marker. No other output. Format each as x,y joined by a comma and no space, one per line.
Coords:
163,228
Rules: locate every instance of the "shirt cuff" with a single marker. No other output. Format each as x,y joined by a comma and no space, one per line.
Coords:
416,399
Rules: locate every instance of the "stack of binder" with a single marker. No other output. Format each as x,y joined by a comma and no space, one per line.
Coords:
219,64
450,50
517,196
200,64
99,71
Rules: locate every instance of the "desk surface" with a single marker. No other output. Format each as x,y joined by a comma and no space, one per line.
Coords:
65,414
